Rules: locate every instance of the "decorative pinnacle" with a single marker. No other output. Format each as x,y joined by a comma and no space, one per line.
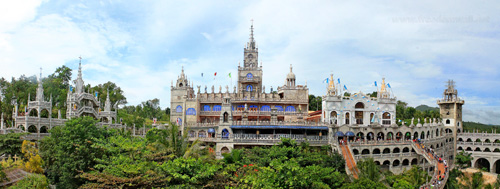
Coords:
251,31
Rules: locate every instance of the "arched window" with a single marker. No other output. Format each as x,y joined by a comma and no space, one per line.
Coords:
217,108
226,117
178,109
290,109
190,111
249,76
249,88
206,108
447,121
265,108
280,108
359,105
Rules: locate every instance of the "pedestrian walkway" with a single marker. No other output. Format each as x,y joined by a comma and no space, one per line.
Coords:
349,159
440,172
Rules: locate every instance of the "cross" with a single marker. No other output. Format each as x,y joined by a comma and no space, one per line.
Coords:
251,20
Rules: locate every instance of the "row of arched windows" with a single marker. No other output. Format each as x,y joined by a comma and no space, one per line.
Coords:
264,108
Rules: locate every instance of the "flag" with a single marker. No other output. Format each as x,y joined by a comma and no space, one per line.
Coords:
201,74
215,74
71,88
388,85
375,83
229,75
326,80
338,80
96,94
345,87
373,118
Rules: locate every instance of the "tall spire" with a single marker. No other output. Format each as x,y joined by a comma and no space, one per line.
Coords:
39,90
107,105
251,42
79,80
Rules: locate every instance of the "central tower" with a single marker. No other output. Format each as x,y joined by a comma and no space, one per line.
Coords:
250,75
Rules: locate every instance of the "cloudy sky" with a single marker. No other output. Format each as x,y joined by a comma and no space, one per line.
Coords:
141,45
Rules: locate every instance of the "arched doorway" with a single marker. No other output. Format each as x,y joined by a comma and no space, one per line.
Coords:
395,163
224,150
390,136
33,113
482,163
380,136
44,129
386,151
44,113
376,151
365,151
359,114
347,118
415,135
360,136
406,162
496,166
370,136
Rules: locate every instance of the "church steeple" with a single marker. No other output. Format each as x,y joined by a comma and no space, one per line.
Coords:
251,42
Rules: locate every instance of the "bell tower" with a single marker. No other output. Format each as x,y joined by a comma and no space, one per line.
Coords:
250,75
451,111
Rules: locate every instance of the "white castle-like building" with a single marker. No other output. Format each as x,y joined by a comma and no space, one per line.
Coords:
37,117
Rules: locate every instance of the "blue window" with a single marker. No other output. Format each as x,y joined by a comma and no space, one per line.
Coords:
253,106
217,108
265,108
241,106
206,108
290,109
249,76
280,109
178,109
190,111
249,88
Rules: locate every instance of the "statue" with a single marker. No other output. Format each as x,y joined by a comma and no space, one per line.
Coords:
234,90
198,88
271,89
220,89
227,89
213,89
264,89
412,120
433,120
418,120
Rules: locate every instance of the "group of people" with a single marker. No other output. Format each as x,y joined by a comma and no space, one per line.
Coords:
441,175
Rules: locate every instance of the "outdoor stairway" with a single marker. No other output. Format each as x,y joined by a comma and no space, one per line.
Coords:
439,166
349,159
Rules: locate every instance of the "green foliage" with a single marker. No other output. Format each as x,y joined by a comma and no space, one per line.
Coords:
315,103
36,181
452,182
463,159
406,113
190,171
368,169
11,144
364,183
69,149
3,176
479,127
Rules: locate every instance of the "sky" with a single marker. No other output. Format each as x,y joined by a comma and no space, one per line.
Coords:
142,45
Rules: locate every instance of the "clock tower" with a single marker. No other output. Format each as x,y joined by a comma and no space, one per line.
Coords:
250,75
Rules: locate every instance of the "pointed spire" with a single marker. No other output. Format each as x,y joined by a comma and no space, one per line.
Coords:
79,88
251,32
251,42
39,90
107,105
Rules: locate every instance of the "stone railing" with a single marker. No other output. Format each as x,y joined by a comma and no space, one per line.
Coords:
284,123
478,143
380,142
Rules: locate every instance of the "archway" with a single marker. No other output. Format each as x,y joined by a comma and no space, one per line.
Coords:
355,151
387,163
406,149
386,151
347,118
469,140
460,148
44,113
487,141
408,136
360,135
496,150
386,118
422,135
437,132
415,135
395,150
225,117
359,105
414,161
390,136
191,133
377,162
225,133
477,149
44,129
428,134
399,135
224,150
370,136
406,162
333,117
32,129
486,150
460,140
376,151
202,134
365,151
380,136
468,149
496,166
33,113
395,163
482,163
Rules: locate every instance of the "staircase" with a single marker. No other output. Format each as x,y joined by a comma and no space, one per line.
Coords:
349,159
437,165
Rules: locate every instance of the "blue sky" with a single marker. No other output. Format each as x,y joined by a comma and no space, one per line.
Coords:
141,45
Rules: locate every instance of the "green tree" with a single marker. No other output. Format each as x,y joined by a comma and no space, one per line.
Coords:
364,183
368,169
463,159
36,181
11,144
68,150
3,176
